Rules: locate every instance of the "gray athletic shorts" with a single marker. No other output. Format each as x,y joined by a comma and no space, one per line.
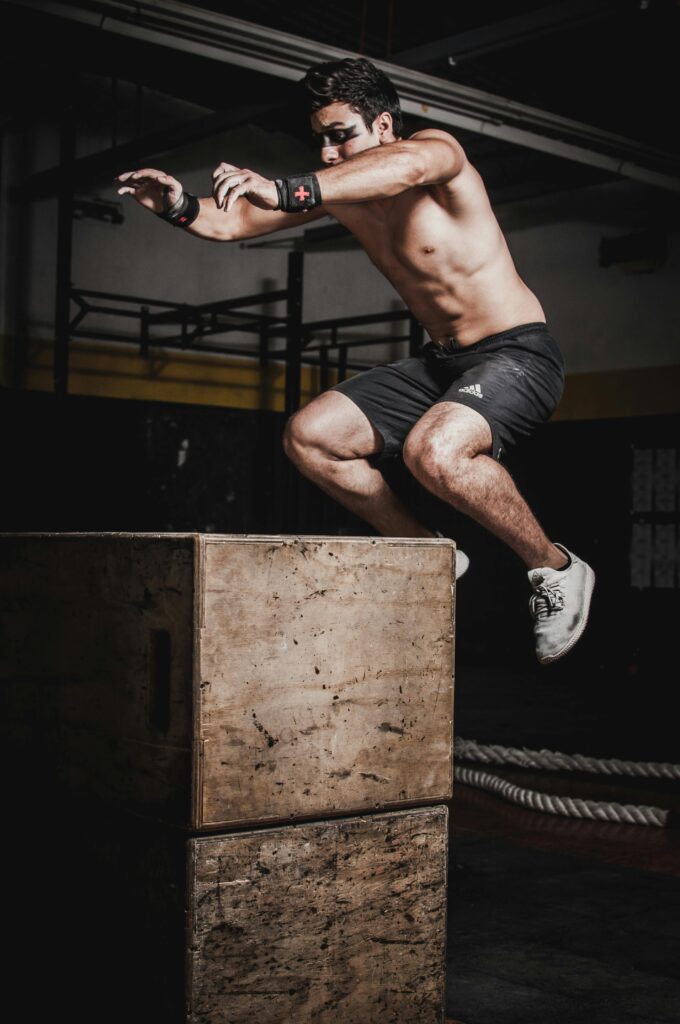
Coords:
514,379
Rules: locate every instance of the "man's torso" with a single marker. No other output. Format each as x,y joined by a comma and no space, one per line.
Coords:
441,248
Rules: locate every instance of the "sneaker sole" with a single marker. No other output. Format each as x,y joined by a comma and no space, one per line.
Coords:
462,563
578,633
462,560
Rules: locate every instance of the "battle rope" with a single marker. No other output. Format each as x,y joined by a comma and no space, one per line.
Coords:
629,814
573,807
492,753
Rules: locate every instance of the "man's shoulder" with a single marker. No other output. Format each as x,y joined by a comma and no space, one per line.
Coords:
436,133
456,158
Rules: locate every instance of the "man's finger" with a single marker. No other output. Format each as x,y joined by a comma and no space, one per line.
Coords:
137,183
234,194
222,194
224,187
222,183
221,168
148,172
217,183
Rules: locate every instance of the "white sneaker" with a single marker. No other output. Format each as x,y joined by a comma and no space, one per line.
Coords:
559,605
462,560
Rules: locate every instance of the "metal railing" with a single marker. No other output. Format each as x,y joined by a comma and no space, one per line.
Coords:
284,338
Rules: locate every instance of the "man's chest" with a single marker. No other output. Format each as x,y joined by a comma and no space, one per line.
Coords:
410,233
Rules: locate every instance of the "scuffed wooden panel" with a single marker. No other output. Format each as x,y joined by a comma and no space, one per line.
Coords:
96,662
338,922
326,671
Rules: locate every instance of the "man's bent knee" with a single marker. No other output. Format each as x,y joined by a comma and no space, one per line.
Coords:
333,427
426,454
444,441
294,434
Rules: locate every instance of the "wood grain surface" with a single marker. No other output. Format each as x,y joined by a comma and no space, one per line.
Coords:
221,681
326,669
338,922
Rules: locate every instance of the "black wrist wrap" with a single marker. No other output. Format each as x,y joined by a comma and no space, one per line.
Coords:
298,192
183,213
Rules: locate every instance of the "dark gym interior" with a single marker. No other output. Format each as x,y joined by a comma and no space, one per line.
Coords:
114,421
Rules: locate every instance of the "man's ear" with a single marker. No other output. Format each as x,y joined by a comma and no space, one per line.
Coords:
383,126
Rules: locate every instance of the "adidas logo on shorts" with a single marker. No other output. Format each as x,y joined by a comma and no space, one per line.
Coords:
473,389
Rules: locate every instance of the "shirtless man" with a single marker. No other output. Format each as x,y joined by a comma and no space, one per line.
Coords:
490,372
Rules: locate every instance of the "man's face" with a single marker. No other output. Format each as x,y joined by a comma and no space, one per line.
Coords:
341,133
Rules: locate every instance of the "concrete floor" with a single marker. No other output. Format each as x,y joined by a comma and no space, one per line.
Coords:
561,921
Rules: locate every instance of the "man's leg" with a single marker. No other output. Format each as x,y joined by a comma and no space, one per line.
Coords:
330,441
447,451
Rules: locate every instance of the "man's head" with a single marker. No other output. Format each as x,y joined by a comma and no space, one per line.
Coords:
353,106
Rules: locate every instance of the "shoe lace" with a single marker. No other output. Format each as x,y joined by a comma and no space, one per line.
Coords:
546,598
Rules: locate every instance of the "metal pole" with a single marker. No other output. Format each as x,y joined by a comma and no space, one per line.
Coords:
342,363
264,347
415,336
323,368
294,337
293,510
144,332
67,150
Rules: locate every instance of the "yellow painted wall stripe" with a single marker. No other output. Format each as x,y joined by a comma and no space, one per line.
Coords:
648,391
118,371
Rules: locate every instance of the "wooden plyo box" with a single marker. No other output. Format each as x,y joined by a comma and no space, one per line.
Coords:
354,914
331,922
223,681
227,757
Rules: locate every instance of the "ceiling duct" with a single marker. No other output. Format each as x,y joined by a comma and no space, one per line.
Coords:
216,36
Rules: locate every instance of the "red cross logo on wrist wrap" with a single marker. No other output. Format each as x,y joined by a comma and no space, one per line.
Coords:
301,194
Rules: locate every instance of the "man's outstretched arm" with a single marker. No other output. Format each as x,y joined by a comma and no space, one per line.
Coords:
429,157
157,192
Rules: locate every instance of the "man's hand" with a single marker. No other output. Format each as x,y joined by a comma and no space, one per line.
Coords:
230,182
155,190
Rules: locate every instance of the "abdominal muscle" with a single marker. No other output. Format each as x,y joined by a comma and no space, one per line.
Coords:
446,257
472,307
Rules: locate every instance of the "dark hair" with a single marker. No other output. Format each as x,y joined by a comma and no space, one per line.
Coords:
355,81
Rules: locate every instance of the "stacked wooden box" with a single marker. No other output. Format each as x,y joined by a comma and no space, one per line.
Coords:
254,734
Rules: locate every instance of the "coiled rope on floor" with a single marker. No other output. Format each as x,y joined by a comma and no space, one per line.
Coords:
573,807
493,753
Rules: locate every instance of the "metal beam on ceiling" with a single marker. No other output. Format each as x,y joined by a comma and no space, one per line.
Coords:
109,162
215,36
509,32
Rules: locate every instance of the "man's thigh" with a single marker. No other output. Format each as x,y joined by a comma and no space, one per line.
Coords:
336,426
449,429
515,391
393,397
